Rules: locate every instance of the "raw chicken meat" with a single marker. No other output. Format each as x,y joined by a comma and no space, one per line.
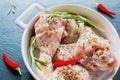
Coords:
71,72
92,51
59,38
97,53
47,70
48,37
48,40
73,32
69,51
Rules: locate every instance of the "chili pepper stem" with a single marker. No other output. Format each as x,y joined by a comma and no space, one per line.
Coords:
19,71
96,3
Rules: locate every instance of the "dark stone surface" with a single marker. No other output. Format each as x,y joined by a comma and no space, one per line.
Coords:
11,35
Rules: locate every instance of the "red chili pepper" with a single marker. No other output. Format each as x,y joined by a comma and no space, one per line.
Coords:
104,9
64,63
11,64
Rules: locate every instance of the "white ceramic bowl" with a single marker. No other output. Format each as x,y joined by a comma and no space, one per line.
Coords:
109,33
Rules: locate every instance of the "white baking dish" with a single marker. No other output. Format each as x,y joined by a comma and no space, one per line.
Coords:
109,33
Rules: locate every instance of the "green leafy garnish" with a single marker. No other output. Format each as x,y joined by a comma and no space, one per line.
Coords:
11,9
70,15
32,45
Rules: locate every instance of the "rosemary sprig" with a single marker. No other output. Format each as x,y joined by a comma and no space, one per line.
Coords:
34,59
56,13
85,20
60,12
32,45
70,15
38,66
41,62
51,19
11,9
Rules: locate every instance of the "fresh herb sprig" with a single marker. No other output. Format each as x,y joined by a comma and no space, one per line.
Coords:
11,9
59,12
51,18
41,62
32,45
34,59
38,66
70,15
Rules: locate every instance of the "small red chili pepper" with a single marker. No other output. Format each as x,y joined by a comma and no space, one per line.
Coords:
104,9
64,63
11,64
